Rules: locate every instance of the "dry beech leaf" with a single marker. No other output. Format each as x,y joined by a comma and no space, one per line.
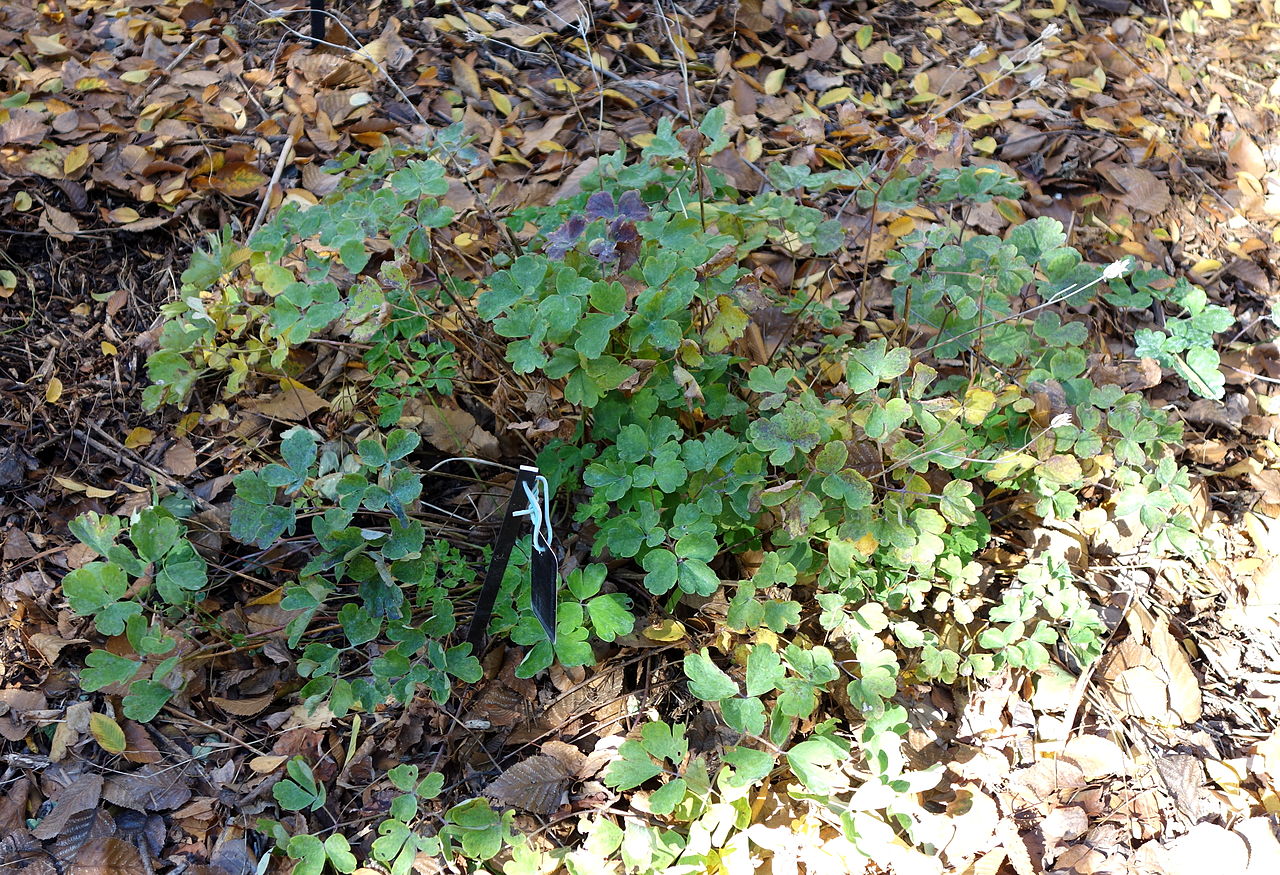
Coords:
569,756
19,852
1137,683
244,707
141,748
1243,154
1206,847
49,646
1140,189
59,224
80,795
1063,825
107,856
74,723
975,816
81,827
535,785
180,459
451,429
265,765
153,787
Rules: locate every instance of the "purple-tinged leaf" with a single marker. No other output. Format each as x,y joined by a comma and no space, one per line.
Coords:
622,231
604,249
601,206
630,206
562,239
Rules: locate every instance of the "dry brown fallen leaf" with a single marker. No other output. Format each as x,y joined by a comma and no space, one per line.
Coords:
1139,188
1096,757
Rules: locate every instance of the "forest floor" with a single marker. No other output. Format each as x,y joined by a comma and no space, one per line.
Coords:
128,131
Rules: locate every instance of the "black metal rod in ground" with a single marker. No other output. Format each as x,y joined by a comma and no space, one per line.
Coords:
317,21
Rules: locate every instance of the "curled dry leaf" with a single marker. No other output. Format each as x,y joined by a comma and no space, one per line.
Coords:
14,705
19,852
451,429
1185,697
1243,155
1141,685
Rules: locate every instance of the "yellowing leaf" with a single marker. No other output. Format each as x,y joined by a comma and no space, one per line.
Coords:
647,50
238,179
139,437
902,226
107,733
747,61
109,348
727,326
665,630
862,38
76,158
123,215
773,82
968,16
135,77
893,61
620,97
835,95
75,486
683,45
866,545
265,765
1088,85
501,102
978,403
979,121
1061,469
53,391
920,83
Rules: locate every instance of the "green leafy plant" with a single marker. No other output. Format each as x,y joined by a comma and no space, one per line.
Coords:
136,589
847,466
234,325
300,790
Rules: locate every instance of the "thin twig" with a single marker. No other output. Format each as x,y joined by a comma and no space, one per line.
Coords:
111,447
285,151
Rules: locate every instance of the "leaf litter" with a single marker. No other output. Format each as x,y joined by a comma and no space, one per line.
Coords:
127,131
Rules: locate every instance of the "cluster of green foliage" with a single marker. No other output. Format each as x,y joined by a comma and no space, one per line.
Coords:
858,471
137,589
233,326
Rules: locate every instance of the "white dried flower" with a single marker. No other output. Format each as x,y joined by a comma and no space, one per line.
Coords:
1050,31
1062,420
1115,270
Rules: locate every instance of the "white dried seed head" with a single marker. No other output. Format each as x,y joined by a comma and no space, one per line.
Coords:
1115,269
